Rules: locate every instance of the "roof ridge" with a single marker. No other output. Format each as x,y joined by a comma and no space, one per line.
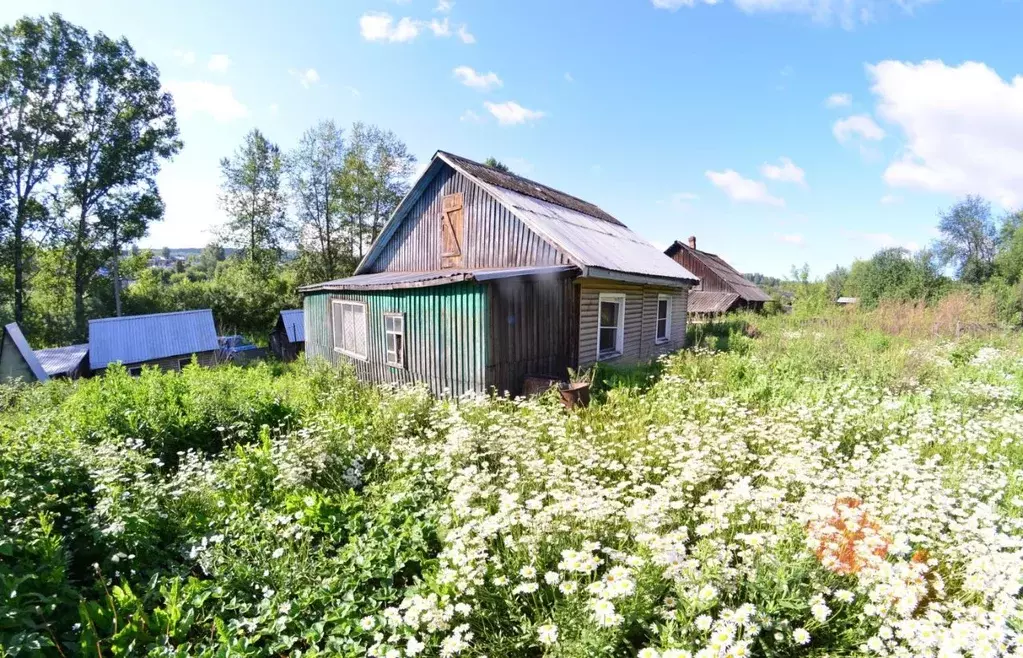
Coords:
152,315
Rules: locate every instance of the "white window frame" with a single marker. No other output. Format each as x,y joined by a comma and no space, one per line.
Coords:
399,356
615,298
334,338
660,340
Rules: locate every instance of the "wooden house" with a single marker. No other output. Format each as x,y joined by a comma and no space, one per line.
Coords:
17,360
482,277
288,338
166,340
721,289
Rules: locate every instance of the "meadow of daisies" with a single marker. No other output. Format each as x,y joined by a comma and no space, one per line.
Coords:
823,488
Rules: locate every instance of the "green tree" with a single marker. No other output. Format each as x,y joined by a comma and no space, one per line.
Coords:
897,274
835,281
315,169
165,253
967,241
124,128
211,255
252,197
39,58
494,163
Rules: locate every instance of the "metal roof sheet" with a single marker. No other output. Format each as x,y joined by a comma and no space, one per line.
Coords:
62,360
391,280
711,302
14,331
139,338
740,284
294,324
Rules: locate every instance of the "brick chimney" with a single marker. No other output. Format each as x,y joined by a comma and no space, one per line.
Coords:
692,242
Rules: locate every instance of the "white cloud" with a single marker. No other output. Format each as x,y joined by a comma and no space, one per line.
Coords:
796,239
482,81
440,28
186,57
196,97
681,201
274,109
219,63
890,200
444,6
838,100
743,189
882,240
353,91
786,172
848,13
306,78
858,125
465,35
380,26
511,113
470,117
961,125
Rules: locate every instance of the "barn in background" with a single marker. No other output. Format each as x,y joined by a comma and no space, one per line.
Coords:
288,338
482,277
166,340
721,289
17,360
71,361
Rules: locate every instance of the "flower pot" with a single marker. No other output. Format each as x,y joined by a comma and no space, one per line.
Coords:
575,395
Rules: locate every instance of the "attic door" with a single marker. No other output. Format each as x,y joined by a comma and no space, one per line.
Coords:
451,231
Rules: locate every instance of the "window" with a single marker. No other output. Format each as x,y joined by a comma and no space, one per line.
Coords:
394,339
610,326
663,331
135,372
183,362
349,320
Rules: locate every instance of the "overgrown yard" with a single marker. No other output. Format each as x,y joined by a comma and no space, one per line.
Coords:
821,489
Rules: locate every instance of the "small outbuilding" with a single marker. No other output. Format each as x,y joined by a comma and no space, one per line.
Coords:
70,361
288,338
166,340
848,301
722,288
17,360
481,278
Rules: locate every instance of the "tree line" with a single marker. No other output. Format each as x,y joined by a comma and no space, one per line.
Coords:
84,129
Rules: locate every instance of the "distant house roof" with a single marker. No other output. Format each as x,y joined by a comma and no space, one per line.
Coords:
140,338
392,280
13,331
62,360
745,288
848,300
294,325
592,239
711,302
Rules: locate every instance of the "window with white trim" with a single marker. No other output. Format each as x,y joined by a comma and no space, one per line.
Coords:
610,325
394,339
349,320
663,331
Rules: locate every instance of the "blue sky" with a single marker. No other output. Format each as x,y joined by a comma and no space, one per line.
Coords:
777,131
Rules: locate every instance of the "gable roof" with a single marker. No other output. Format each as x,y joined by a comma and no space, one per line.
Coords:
592,239
21,344
62,360
703,301
139,338
294,324
745,288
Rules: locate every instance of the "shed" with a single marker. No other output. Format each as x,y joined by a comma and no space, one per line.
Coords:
17,360
288,338
848,301
166,340
722,288
70,361
482,277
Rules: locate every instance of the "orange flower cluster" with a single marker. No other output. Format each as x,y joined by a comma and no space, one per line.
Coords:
848,540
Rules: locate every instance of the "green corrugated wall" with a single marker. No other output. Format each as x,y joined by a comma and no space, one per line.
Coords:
446,335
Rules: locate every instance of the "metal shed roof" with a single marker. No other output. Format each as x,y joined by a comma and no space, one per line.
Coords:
139,338
740,284
14,331
392,280
711,302
600,245
294,324
62,360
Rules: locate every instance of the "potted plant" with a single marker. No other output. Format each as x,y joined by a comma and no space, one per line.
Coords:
576,392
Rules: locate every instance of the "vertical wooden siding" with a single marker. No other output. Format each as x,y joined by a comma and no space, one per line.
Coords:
639,341
493,236
12,365
445,335
709,280
533,331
